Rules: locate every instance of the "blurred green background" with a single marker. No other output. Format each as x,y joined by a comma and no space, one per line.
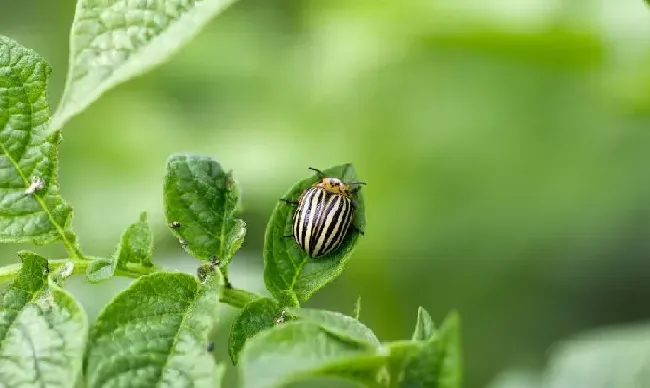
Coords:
506,146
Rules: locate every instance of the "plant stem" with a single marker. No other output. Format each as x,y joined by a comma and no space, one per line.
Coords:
236,297
10,272
231,296
71,244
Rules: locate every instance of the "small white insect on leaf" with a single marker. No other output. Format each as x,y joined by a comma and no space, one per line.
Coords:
67,269
37,184
281,318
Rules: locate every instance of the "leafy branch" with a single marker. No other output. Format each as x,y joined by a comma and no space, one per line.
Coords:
155,332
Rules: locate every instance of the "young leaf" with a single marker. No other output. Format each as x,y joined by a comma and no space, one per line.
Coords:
201,200
112,41
255,317
135,248
424,328
451,369
437,361
43,330
339,325
298,350
154,333
288,272
100,269
31,209
357,308
136,245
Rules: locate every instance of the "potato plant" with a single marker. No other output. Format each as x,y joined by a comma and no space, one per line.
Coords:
155,332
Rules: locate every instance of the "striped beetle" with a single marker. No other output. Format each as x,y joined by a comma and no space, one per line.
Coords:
324,214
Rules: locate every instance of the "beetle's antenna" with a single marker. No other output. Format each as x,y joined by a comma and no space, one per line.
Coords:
319,172
356,183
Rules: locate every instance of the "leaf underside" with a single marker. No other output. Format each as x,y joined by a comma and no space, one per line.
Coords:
302,350
112,41
337,324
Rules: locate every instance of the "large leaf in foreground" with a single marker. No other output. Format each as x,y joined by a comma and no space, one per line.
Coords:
289,273
154,333
112,41
31,209
201,200
301,350
43,330
602,358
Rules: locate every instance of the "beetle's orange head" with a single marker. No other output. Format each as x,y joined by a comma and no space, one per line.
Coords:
334,186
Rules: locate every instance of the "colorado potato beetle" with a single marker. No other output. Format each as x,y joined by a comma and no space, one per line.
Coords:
324,214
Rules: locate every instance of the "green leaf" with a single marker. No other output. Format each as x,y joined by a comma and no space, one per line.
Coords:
43,330
601,358
363,369
357,308
289,273
154,333
405,354
100,269
201,201
136,244
438,362
451,369
31,209
134,250
339,325
430,360
424,328
112,41
299,350
255,317
517,377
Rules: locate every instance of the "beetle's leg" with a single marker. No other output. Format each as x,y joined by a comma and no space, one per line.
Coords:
289,201
227,181
355,189
356,228
321,174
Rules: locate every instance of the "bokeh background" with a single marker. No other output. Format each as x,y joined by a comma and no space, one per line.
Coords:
506,146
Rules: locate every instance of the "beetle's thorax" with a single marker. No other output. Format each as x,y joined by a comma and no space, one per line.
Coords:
334,186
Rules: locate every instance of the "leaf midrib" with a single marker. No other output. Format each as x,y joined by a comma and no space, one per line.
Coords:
20,172
197,295
31,300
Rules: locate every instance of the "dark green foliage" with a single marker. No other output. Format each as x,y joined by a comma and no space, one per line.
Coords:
202,198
